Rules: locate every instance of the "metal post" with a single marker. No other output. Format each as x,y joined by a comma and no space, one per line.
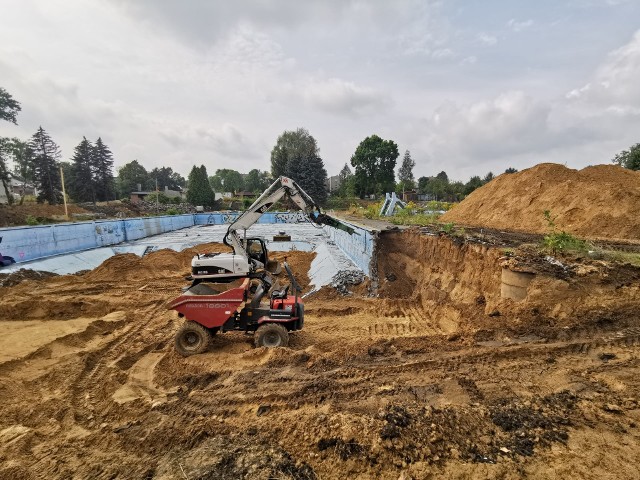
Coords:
64,195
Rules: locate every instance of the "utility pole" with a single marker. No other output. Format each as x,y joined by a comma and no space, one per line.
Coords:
157,196
64,195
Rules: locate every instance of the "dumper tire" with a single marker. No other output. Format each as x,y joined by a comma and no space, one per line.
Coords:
271,335
300,316
192,338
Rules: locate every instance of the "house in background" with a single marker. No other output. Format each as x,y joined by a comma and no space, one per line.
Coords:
246,194
16,187
140,195
331,184
4,194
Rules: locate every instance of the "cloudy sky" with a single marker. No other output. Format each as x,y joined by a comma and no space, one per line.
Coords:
467,86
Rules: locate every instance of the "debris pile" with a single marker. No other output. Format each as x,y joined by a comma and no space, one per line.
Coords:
345,279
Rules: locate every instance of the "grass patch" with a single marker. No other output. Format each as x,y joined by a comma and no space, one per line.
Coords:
619,256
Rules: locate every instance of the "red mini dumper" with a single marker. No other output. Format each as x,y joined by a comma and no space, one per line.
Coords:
208,312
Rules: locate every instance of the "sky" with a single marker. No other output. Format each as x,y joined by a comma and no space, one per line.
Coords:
467,87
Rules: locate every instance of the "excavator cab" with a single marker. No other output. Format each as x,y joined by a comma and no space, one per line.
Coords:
257,250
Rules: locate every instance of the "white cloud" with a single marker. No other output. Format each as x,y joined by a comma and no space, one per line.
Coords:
487,39
616,82
518,26
344,98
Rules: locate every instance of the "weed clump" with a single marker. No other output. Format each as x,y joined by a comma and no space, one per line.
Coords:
560,241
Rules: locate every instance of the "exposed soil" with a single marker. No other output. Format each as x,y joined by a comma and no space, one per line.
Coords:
602,201
14,278
440,376
16,215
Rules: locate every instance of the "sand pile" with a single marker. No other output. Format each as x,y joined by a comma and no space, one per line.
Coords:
167,264
163,263
596,202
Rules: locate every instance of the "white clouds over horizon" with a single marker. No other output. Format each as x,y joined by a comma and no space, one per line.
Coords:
466,88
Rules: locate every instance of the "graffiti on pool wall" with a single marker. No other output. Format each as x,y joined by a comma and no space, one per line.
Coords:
295,217
229,217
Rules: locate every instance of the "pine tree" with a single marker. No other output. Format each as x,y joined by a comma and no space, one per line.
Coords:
81,183
102,170
311,176
46,155
405,174
296,155
199,190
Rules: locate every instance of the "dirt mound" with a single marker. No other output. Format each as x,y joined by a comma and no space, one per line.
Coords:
15,215
165,263
596,202
14,278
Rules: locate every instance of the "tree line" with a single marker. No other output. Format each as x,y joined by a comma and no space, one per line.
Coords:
89,176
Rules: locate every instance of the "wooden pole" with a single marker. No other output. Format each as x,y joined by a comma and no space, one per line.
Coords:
64,195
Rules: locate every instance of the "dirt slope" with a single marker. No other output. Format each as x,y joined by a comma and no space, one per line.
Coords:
596,202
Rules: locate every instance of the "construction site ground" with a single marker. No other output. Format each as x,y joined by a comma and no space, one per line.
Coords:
440,375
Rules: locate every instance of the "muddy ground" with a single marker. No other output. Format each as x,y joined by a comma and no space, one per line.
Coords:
438,376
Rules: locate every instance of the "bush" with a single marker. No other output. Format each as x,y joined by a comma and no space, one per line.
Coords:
341,203
172,211
31,220
560,242
162,198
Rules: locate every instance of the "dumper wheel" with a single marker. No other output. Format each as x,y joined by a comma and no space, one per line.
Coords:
192,338
271,335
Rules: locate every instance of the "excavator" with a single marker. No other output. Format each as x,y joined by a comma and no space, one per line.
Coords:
250,257
240,308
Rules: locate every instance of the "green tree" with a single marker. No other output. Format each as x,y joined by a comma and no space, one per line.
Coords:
5,152
46,157
311,176
488,177
80,183
374,161
199,190
422,185
345,176
405,174
455,191
298,144
102,171
166,177
629,158
9,107
296,155
23,166
227,180
443,176
256,181
130,176
511,170
472,184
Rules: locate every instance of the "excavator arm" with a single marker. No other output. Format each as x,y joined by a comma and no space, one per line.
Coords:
281,187
240,264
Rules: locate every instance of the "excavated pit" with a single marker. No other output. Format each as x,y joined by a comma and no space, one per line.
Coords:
468,360
465,285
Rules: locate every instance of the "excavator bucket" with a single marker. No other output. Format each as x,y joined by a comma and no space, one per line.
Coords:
274,267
